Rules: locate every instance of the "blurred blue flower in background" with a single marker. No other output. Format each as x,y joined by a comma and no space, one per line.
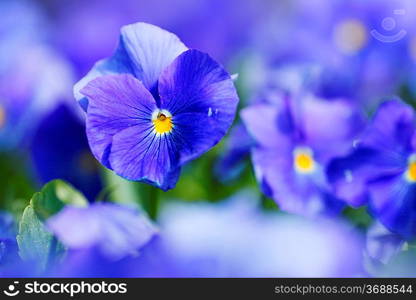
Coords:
387,254
295,140
60,151
382,245
176,107
113,230
221,35
103,239
22,25
338,36
33,75
235,239
382,169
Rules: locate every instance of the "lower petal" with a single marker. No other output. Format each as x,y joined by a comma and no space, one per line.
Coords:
142,155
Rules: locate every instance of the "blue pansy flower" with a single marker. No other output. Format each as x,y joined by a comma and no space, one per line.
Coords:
112,230
381,170
295,140
155,105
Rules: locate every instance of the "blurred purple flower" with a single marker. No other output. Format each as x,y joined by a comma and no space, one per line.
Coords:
162,105
295,140
382,169
235,239
112,230
33,76
8,244
387,254
10,262
40,79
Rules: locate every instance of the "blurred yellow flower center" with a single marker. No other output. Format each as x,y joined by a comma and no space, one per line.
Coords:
303,161
162,121
2,116
350,36
411,172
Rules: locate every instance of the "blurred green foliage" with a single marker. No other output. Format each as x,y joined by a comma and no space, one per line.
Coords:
17,185
36,244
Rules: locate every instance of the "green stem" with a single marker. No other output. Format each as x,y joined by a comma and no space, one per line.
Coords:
151,203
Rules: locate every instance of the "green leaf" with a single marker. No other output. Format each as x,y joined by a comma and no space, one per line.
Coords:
36,243
54,196
358,216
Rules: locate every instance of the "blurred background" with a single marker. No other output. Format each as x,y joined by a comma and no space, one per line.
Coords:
362,51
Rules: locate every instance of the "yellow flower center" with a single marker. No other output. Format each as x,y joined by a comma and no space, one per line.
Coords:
162,121
2,116
303,161
411,170
350,36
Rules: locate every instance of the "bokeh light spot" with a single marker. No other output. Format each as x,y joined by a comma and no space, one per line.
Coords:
350,36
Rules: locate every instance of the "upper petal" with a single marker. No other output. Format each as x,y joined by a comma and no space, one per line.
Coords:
119,63
144,51
202,99
150,49
116,102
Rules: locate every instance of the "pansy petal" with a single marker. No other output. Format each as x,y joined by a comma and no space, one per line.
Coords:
392,201
202,99
119,63
140,154
392,128
329,126
265,124
150,49
116,102
349,175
